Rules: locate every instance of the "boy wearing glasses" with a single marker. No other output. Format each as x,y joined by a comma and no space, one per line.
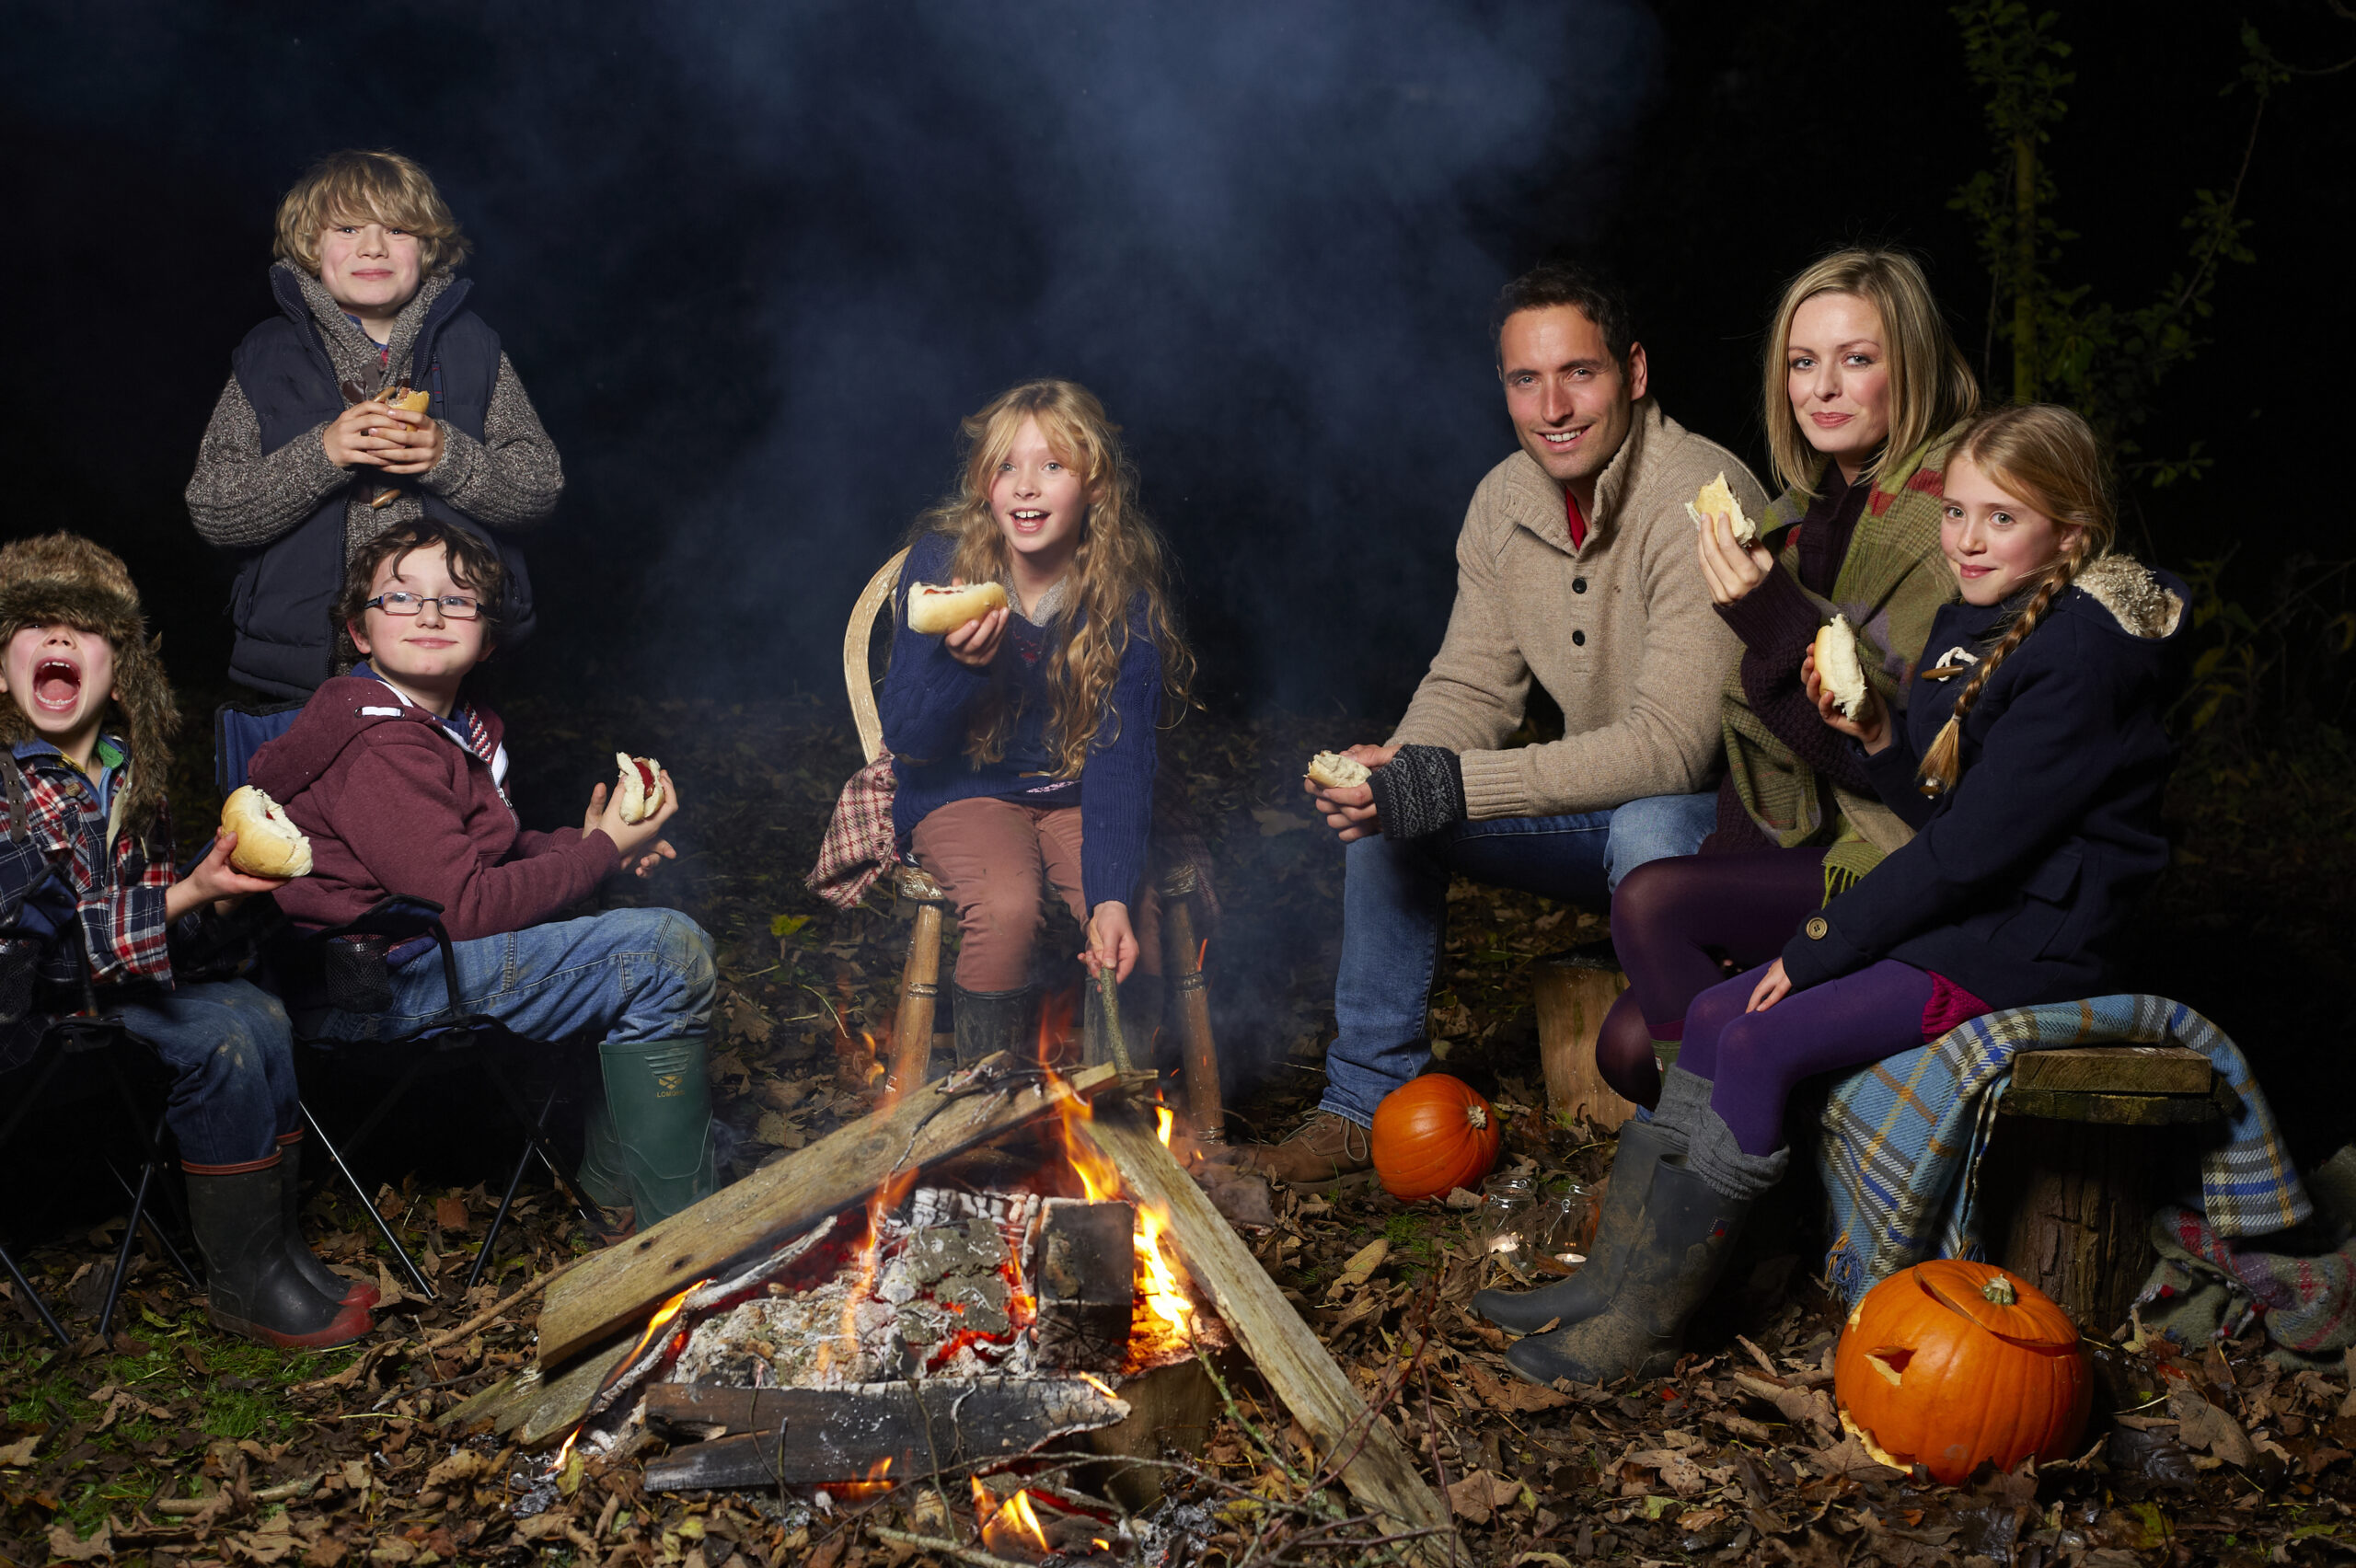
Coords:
310,454
400,784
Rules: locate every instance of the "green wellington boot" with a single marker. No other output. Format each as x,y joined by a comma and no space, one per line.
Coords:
604,1180
1582,1297
658,1104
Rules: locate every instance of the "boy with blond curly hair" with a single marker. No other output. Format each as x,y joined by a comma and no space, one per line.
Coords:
312,452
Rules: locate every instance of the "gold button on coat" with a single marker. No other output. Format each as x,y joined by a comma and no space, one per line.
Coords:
1817,928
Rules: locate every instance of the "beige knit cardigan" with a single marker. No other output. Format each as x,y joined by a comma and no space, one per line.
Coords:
1618,630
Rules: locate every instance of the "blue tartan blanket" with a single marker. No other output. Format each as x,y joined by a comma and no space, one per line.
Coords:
1901,1155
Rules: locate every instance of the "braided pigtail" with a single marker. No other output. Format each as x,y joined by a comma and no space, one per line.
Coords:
1943,763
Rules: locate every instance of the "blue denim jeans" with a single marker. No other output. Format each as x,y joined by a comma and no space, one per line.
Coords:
626,976
231,1058
1394,909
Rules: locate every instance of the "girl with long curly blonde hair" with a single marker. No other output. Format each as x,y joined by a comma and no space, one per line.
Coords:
1024,741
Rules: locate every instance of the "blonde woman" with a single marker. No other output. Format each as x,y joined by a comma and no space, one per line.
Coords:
1864,389
2029,763
309,458
1022,741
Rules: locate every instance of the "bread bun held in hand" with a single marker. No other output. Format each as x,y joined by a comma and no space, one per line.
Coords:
1837,667
638,794
268,845
1715,497
935,609
1332,770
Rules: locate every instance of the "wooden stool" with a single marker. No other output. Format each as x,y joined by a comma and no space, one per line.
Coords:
1573,990
920,978
1189,1006
2066,1179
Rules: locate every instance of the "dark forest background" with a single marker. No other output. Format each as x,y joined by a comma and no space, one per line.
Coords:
753,263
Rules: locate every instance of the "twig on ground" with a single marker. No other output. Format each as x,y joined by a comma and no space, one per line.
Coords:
973,1554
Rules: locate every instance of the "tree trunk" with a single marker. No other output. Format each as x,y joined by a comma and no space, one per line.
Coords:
2068,1207
1572,995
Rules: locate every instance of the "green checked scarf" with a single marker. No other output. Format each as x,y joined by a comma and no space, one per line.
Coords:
1890,584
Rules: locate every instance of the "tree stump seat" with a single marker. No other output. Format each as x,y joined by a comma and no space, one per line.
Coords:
2067,1176
1572,993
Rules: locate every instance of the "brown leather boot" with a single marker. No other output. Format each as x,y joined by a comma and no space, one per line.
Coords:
1326,1151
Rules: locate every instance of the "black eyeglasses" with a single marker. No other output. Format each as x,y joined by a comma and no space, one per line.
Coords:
453,607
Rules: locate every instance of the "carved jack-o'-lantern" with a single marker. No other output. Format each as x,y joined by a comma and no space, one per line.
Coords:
1950,1362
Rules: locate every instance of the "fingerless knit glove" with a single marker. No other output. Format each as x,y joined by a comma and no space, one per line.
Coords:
1419,792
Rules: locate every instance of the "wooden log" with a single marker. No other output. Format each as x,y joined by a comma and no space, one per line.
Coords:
1171,1408
1191,1007
2116,1069
1573,993
2068,1207
1374,1465
536,1408
919,995
1083,1274
619,1289
864,1431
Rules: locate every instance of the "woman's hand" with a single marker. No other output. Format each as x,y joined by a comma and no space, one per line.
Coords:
1869,729
218,883
1731,569
1111,943
417,439
605,816
1773,987
1350,812
351,440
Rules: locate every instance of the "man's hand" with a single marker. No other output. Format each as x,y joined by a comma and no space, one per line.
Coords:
1732,570
417,440
1350,812
1773,987
351,440
1869,729
1112,944
605,816
218,883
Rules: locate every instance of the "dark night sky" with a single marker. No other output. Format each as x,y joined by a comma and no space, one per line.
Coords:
754,262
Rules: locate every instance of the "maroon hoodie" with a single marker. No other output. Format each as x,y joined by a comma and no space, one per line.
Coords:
393,803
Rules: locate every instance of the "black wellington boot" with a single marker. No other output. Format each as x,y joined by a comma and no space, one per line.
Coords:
254,1289
1683,1240
990,1022
1567,1301
321,1278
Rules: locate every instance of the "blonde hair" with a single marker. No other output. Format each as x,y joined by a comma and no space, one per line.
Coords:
354,185
2047,456
1119,563
1930,383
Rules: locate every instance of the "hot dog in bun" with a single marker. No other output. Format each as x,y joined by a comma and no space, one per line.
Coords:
1717,496
639,791
1332,770
268,845
1837,667
934,609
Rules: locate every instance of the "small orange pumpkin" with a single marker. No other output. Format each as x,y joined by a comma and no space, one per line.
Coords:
1950,1362
1433,1135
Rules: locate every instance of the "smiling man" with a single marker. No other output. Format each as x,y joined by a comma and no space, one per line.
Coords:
1575,570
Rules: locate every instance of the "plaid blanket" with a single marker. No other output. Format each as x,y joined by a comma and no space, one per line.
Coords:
860,841
2206,1287
1900,1156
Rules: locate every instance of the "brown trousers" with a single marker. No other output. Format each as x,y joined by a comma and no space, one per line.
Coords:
992,858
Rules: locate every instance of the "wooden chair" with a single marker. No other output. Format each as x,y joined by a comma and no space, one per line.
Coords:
1189,1004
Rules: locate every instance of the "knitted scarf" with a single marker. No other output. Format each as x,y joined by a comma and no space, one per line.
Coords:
1890,584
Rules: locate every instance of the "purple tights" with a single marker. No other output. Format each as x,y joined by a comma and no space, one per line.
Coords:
1670,920
1753,1060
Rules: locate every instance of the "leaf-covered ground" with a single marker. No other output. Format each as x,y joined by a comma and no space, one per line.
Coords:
172,1443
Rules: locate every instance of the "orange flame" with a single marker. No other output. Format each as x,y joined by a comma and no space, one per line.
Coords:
1098,1384
1014,1524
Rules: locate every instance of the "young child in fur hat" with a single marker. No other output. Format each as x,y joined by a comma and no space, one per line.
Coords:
88,906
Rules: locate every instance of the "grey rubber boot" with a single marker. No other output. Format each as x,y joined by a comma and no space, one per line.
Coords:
1682,1239
990,1022
1643,1144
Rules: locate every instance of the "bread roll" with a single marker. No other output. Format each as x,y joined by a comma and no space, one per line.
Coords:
1837,667
1332,770
268,845
413,400
639,791
934,609
1715,497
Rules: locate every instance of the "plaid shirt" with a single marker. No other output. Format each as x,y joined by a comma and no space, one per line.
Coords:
106,877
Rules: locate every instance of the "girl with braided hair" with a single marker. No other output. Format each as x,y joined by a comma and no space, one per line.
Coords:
2029,761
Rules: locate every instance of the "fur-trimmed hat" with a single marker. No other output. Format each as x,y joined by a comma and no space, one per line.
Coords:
63,577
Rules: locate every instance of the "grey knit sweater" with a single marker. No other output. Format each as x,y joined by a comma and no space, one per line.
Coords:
241,497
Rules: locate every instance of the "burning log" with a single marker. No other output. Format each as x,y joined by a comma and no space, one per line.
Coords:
1083,1268
811,1436
614,1290
1372,1462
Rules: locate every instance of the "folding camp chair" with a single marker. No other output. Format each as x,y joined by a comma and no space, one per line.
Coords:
79,1058
348,967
